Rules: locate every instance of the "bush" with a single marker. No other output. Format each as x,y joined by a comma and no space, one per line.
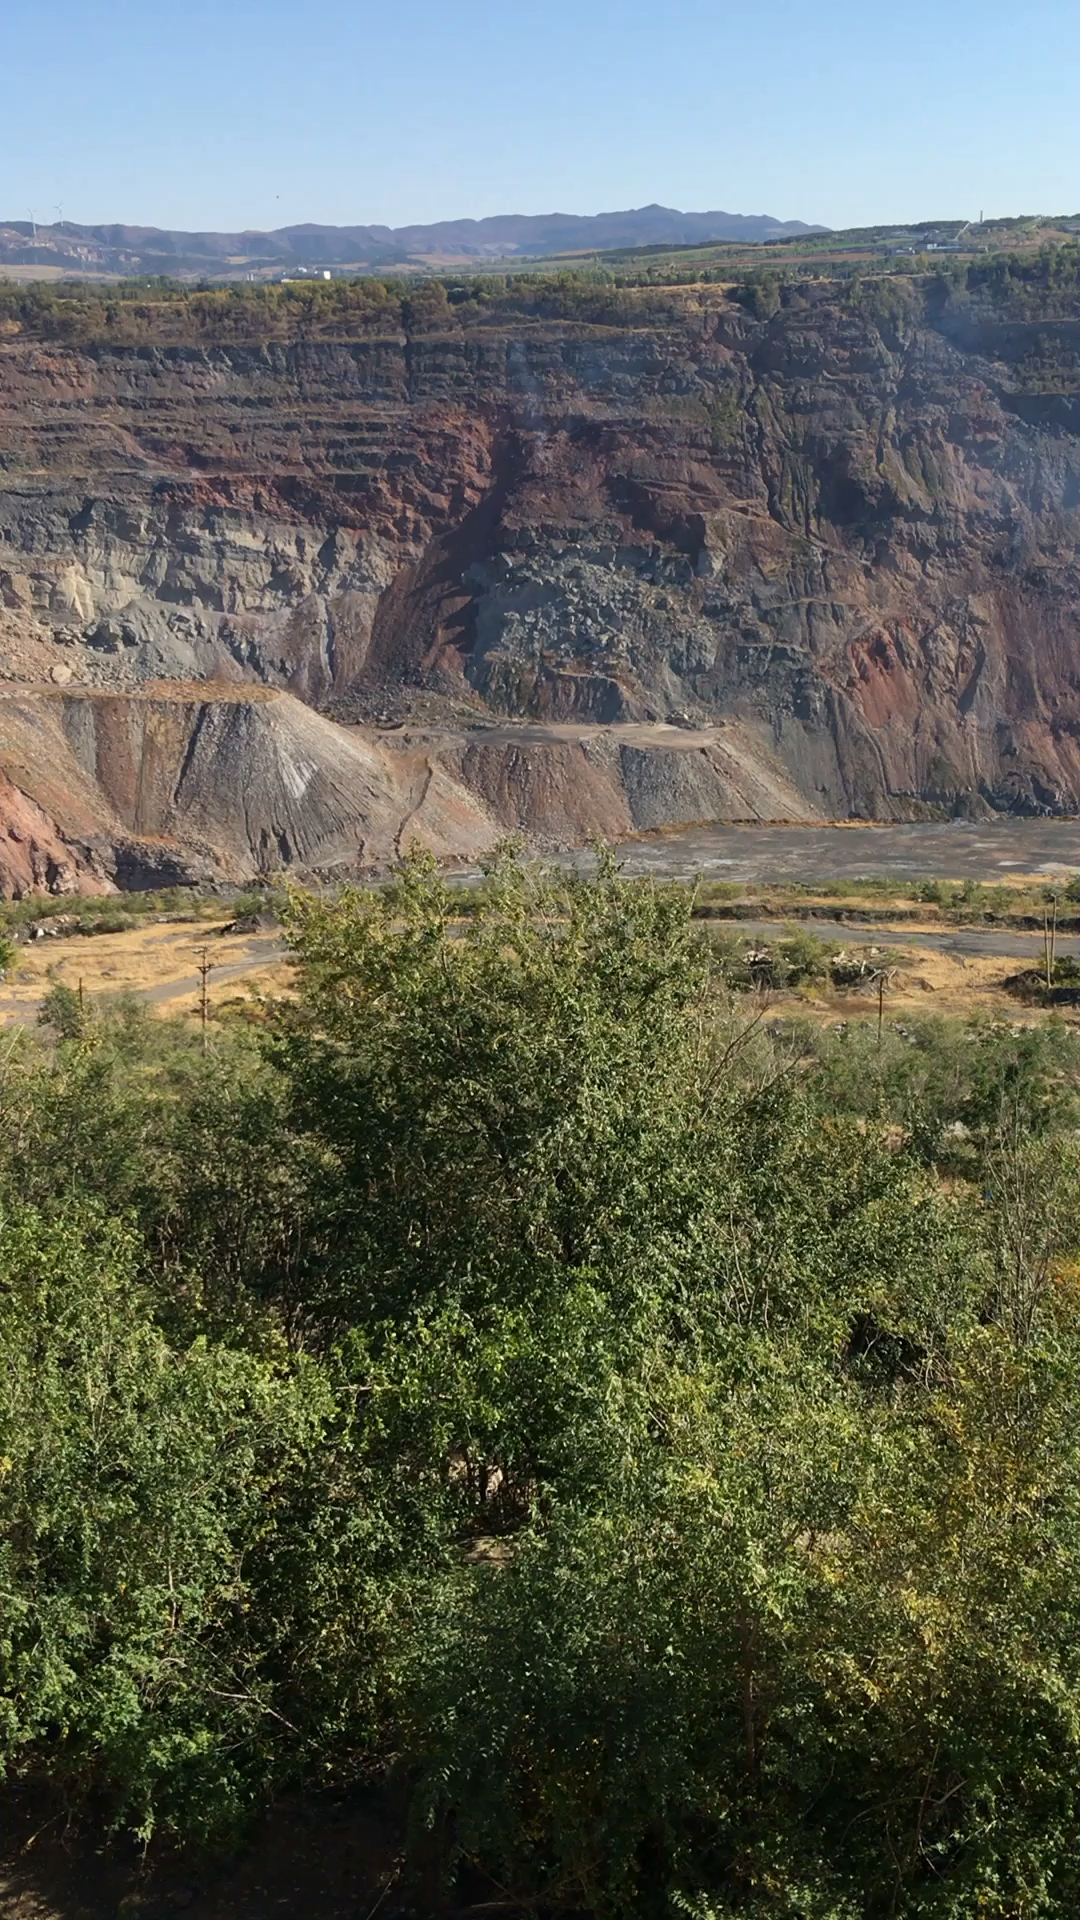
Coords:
197,1583
63,1009
105,923
754,1682
261,901
513,1367
128,1505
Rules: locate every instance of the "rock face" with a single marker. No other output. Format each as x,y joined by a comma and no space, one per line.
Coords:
842,543
174,783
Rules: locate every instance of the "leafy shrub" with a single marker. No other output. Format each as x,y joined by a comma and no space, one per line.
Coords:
514,1366
105,923
268,901
134,1481
63,1009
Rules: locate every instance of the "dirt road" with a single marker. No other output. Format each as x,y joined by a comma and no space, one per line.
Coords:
157,964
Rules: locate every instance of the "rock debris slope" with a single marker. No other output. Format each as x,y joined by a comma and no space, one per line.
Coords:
819,547
206,782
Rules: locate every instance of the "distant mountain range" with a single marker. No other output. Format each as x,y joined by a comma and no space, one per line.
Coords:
78,250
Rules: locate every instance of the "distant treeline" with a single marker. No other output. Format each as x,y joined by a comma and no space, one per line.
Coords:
163,312
1045,284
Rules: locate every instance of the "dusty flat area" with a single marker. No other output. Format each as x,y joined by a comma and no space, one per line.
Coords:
951,971
989,850
157,963
927,982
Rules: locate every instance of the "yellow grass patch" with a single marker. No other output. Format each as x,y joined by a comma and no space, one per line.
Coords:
159,963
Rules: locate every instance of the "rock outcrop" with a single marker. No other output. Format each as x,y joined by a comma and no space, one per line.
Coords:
839,539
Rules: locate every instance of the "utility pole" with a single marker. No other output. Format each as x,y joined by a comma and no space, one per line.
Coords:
884,979
205,965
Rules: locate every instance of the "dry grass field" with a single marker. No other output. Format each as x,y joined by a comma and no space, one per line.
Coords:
159,964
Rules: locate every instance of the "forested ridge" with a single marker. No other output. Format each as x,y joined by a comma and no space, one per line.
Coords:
645,1436
158,312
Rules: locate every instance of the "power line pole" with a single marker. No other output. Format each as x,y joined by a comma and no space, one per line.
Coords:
884,979
205,965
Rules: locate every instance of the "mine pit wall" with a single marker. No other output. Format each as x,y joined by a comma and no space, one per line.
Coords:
853,541
231,786
150,787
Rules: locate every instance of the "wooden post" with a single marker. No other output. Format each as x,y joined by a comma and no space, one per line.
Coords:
205,964
1053,935
880,1003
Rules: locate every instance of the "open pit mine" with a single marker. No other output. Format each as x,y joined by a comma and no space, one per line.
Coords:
296,590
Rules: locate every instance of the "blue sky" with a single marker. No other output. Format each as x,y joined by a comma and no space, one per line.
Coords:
259,113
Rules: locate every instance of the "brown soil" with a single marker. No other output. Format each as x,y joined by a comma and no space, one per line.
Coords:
312,1859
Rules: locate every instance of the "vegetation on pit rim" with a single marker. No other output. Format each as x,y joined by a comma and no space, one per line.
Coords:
1038,284
654,1436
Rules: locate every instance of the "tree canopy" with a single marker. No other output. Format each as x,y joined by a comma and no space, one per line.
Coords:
653,1435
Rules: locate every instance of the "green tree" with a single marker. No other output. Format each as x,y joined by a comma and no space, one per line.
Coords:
137,1482
62,1009
513,1365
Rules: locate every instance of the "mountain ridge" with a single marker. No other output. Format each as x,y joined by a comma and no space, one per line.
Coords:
115,247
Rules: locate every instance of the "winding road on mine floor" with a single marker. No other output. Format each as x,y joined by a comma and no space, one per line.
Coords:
978,850
264,952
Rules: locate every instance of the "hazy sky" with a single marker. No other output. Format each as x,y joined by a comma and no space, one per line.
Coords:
258,113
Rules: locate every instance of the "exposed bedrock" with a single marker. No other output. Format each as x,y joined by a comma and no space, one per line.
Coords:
200,782
846,547
174,783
